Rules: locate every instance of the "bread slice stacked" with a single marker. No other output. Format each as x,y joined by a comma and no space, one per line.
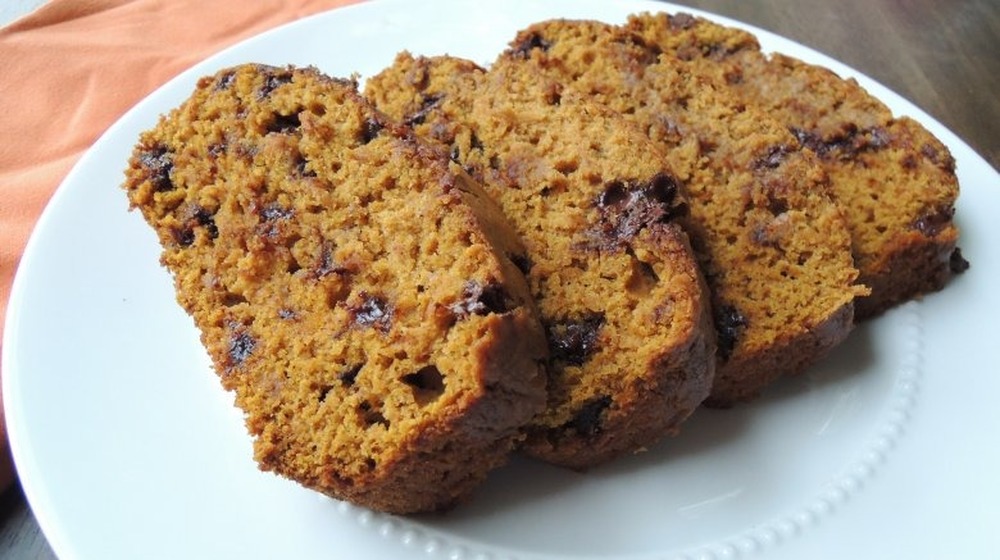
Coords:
770,239
564,253
599,210
895,180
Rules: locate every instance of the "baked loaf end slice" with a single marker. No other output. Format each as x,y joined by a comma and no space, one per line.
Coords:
615,279
772,243
356,292
894,179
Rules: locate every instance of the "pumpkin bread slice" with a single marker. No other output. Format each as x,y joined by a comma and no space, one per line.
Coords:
356,291
614,276
772,243
894,179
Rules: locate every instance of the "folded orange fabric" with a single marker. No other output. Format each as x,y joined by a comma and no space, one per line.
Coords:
71,68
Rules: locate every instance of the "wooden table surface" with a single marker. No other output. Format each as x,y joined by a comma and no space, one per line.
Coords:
942,56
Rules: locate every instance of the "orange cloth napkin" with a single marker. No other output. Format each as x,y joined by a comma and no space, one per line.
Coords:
72,67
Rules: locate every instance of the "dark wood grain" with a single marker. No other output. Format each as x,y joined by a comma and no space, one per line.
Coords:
944,56
20,537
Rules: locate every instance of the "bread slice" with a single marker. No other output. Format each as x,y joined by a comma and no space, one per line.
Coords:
356,291
615,279
894,179
772,243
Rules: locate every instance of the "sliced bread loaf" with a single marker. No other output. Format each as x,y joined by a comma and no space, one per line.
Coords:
771,241
894,179
615,279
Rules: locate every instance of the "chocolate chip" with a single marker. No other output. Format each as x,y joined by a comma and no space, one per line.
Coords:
206,219
627,208
241,345
217,149
957,262
587,420
809,140
287,314
933,222
944,159
930,152
573,341
273,212
530,42
272,221
839,145
681,21
848,143
194,216
159,164
284,124
774,157
491,298
225,81
661,189
729,325
716,51
183,236
428,103
614,194
478,299
373,311
370,129
273,81
878,137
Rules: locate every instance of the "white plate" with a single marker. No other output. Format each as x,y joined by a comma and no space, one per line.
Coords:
128,448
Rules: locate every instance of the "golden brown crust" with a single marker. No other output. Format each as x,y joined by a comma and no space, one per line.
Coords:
357,294
895,181
612,271
772,243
